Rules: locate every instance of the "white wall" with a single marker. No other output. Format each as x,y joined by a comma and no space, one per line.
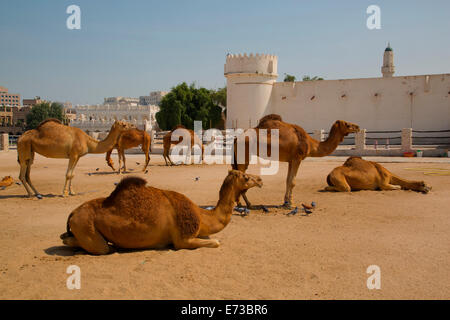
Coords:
354,100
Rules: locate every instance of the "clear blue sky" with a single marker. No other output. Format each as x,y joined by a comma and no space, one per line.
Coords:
130,48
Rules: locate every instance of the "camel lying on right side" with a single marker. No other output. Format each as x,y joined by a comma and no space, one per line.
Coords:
358,174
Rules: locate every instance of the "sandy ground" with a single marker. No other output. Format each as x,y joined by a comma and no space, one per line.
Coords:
262,256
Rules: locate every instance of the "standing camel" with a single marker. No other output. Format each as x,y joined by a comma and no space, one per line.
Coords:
294,146
167,142
130,139
135,216
52,139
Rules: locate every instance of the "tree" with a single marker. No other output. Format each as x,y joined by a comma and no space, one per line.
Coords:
43,111
185,104
289,78
308,78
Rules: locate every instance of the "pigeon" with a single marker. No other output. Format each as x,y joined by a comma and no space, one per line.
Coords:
293,212
313,204
241,210
197,178
305,206
307,211
264,209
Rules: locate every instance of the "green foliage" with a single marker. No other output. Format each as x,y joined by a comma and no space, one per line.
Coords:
43,111
289,78
308,78
185,104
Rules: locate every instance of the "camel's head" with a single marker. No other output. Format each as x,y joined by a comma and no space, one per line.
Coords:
243,181
423,187
346,127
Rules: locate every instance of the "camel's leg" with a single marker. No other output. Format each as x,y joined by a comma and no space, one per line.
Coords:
22,176
193,243
339,183
27,176
147,157
69,175
109,160
90,240
71,242
122,153
244,196
290,182
389,187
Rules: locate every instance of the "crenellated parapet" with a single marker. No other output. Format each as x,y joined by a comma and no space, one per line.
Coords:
258,64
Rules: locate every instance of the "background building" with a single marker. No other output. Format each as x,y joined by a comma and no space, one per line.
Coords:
9,99
154,99
421,102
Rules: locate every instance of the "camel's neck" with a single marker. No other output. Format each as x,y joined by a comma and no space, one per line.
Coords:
218,218
95,146
324,148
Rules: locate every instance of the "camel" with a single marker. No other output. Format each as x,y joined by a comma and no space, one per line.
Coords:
359,174
130,139
52,139
6,181
294,146
167,142
135,216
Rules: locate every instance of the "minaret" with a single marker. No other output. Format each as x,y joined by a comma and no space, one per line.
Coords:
388,68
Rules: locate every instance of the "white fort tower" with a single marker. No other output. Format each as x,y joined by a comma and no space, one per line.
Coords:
249,88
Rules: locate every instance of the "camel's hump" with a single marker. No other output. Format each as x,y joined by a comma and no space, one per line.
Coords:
124,184
178,126
49,120
269,117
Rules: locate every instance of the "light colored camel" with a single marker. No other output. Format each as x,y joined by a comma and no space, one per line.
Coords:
52,139
130,139
359,174
167,142
135,216
294,146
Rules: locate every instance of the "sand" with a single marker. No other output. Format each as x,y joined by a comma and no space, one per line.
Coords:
262,256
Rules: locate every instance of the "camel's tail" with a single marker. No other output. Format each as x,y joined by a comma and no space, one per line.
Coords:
329,180
68,233
234,163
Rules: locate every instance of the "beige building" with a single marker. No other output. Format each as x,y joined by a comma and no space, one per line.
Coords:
421,102
9,99
32,102
154,99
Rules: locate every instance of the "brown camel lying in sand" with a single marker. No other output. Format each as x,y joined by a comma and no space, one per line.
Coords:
294,146
130,139
359,174
136,216
167,142
52,139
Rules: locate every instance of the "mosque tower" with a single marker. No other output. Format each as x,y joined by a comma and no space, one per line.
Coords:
249,87
388,68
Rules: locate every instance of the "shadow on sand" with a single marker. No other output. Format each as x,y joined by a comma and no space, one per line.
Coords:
24,196
65,251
